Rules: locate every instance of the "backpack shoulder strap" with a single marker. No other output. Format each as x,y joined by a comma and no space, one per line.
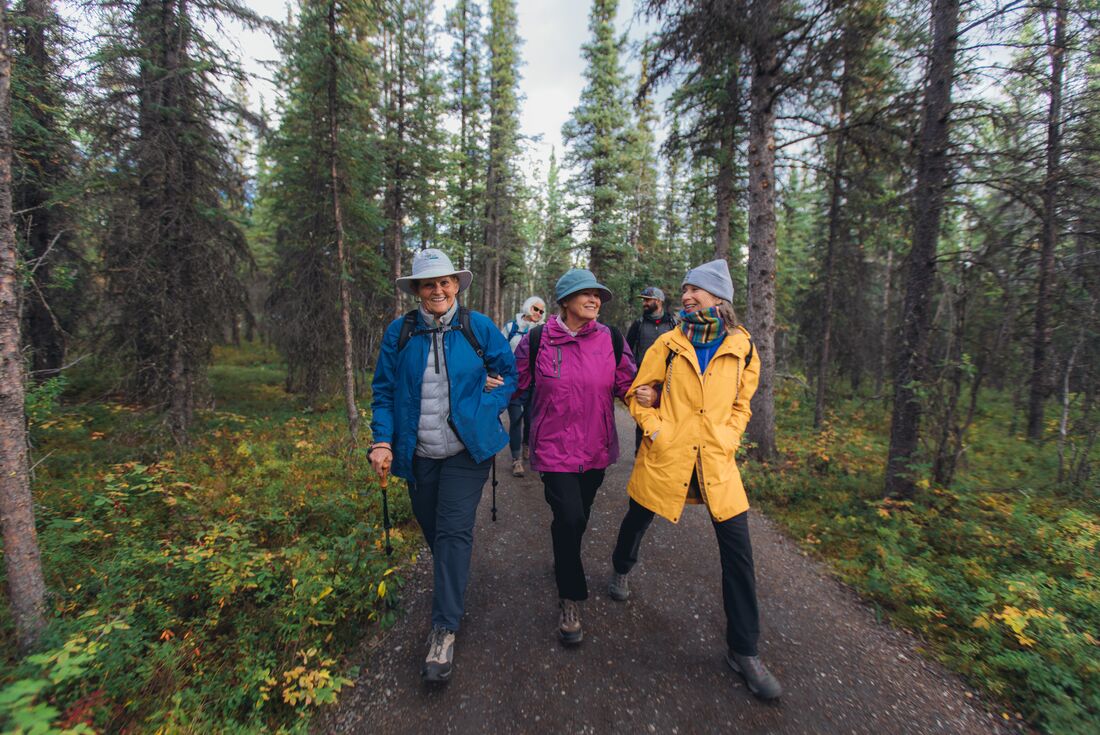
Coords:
616,344
468,332
408,324
752,345
534,336
513,330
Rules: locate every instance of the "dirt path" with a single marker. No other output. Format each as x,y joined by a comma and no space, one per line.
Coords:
655,663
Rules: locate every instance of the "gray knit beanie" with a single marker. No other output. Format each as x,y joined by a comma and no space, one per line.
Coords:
713,277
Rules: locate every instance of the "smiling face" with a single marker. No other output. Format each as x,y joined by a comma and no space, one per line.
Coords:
437,295
582,306
536,311
694,298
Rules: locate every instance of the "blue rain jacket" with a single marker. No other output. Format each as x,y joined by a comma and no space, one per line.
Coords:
475,414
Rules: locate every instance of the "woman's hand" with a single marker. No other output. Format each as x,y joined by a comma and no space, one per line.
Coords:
645,396
493,381
381,457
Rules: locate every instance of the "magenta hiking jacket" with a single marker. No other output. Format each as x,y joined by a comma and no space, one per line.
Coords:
572,407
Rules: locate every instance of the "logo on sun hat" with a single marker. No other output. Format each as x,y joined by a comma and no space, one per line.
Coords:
433,263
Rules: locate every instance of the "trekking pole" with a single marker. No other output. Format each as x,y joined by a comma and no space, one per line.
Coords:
494,489
386,511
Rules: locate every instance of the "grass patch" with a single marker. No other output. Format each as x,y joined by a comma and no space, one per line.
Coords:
998,573
211,589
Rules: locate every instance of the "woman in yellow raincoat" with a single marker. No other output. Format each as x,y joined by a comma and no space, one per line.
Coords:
707,374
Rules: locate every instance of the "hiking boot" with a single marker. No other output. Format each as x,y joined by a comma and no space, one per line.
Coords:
526,451
517,468
759,680
619,588
441,651
569,624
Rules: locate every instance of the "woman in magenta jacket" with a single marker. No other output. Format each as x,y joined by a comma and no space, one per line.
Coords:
575,380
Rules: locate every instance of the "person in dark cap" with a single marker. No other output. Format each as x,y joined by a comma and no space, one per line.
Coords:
645,330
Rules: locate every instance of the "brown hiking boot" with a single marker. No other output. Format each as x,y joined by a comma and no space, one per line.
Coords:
526,451
569,624
517,468
759,680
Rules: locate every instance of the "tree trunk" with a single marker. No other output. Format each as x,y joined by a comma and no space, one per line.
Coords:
341,246
22,562
761,261
46,236
836,194
920,276
727,152
884,331
1041,340
394,204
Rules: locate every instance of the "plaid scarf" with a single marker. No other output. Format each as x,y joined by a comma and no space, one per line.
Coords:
703,328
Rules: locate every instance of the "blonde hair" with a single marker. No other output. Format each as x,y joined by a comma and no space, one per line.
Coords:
728,313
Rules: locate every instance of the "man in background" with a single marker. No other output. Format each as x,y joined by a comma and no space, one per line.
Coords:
646,329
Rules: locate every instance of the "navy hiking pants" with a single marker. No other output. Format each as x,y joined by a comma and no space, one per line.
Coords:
445,494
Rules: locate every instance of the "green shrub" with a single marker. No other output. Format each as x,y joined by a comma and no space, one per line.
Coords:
215,589
999,574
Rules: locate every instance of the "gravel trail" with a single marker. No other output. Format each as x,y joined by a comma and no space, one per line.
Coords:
654,663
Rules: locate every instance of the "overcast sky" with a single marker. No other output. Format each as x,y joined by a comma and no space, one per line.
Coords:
552,33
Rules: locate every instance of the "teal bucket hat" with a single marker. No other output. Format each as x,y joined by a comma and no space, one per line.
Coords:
579,279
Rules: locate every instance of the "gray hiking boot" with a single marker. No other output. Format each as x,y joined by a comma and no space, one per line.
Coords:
619,588
441,651
759,680
569,624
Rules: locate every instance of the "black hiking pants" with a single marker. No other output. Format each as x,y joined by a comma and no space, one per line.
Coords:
738,576
570,495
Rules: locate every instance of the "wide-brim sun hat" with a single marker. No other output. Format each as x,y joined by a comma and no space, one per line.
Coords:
579,279
433,263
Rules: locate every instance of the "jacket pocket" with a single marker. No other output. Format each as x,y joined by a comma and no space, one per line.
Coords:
550,365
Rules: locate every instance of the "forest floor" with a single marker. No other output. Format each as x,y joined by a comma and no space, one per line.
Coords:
654,663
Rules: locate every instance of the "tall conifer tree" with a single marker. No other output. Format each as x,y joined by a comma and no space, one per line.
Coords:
466,185
44,172
327,126
501,225
595,139
172,248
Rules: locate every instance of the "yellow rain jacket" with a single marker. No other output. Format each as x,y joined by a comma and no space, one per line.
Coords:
698,424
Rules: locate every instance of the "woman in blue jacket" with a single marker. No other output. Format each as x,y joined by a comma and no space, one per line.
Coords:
443,377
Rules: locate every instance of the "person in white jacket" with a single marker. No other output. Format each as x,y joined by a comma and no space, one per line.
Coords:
531,315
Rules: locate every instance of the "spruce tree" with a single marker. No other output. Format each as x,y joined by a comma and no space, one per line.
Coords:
501,179
643,229
465,180
45,184
330,82
171,247
595,139
22,560
554,255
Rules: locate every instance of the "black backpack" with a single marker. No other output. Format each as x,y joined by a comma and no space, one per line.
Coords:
534,337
